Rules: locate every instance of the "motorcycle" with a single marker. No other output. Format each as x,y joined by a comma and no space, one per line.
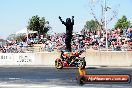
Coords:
70,59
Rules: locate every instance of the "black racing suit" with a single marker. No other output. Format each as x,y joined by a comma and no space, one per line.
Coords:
69,29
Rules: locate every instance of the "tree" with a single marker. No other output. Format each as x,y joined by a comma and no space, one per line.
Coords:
122,23
11,37
38,24
20,37
92,25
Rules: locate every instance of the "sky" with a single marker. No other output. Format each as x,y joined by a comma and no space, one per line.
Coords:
15,14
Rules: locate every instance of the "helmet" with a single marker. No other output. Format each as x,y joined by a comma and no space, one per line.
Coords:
68,20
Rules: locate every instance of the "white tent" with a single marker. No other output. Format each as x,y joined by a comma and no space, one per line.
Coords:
25,31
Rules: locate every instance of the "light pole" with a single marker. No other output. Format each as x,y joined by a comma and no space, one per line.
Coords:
105,9
27,35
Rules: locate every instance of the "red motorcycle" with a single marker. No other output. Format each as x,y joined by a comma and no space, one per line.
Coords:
70,59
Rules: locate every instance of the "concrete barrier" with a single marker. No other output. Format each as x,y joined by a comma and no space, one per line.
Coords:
110,58
46,58
102,58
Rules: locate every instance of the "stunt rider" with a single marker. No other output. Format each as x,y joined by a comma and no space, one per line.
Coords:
69,29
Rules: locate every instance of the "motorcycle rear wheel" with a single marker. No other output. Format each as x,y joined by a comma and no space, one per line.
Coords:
82,63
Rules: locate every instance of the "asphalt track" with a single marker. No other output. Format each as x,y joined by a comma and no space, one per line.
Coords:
49,77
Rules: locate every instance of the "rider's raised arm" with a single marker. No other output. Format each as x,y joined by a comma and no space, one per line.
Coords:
62,20
73,20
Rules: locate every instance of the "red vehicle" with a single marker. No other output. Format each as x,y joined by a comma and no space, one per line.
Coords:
70,59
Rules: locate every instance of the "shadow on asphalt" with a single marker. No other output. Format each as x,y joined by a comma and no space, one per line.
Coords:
91,67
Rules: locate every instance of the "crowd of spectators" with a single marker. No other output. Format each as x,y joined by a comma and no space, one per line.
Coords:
11,48
117,40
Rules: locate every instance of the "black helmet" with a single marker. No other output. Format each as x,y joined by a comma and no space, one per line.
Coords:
68,20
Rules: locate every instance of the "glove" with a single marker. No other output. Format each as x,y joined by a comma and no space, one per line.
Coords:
59,17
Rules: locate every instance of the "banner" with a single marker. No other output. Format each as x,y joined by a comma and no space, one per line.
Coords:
17,58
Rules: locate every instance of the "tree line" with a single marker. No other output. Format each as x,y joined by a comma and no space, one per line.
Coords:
41,25
93,25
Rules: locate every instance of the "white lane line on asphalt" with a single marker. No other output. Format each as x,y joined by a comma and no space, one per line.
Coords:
57,87
11,85
29,86
14,78
21,86
26,86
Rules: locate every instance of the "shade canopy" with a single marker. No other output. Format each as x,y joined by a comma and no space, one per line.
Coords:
25,31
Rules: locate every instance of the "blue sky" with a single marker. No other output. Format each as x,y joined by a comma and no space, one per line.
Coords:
15,14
